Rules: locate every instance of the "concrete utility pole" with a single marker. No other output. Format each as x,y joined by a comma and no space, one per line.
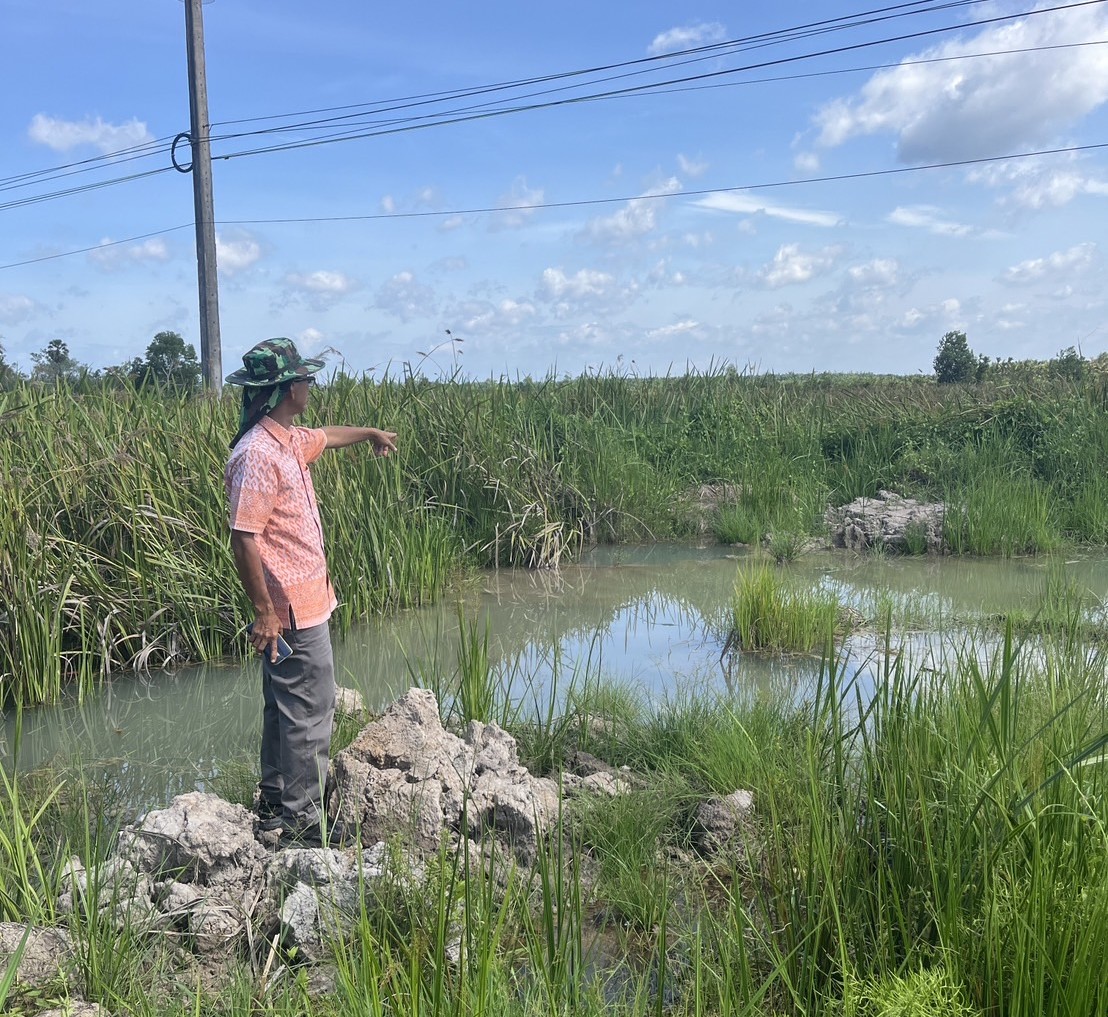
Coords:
211,356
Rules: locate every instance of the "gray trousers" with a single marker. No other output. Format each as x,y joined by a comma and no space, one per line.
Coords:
299,708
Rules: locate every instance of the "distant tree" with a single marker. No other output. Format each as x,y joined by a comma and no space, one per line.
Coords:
169,361
955,361
119,375
53,364
1068,364
8,373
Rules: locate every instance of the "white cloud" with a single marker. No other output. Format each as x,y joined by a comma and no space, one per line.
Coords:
322,282
388,204
879,272
309,340
584,283
587,291
636,219
236,255
692,167
1058,189
14,308
63,135
987,106
1036,186
927,217
687,37
778,322
806,162
676,329
405,297
745,203
1060,263
486,317
662,276
947,313
451,223
520,202
111,256
791,265
450,263
698,240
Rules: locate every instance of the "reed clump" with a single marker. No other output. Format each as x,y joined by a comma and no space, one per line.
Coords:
770,614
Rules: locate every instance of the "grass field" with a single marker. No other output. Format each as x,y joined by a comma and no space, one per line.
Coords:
113,543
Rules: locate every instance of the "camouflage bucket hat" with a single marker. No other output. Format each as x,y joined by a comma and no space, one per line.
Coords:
271,362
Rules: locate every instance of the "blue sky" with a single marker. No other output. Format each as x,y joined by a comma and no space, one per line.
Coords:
684,225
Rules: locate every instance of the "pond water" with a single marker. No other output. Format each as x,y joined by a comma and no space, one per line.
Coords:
653,617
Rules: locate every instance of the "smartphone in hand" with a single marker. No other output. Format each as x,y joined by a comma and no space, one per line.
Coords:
284,651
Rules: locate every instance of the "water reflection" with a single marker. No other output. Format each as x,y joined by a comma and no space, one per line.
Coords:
652,618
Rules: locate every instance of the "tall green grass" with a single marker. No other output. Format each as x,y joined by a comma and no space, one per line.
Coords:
939,847
928,840
769,614
1002,512
113,543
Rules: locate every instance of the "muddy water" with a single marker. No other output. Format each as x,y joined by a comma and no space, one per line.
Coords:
654,618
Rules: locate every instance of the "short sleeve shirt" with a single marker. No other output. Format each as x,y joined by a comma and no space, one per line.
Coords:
271,495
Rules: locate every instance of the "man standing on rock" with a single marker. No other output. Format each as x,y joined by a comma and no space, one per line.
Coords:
277,540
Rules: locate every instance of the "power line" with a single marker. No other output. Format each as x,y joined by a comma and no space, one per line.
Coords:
462,116
677,58
831,178
659,88
693,55
698,53
482,111
585,202
140,151
865,68
36,199
99,247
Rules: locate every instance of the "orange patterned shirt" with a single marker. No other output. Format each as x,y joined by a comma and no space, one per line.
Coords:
271,495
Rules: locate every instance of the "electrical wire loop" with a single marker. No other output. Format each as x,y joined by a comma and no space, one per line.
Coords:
184,135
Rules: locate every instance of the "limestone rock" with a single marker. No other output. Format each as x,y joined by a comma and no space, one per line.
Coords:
200,837
886,521
76,1008
195,872
406,774
320,891
47,954
596,784
349,701
723,823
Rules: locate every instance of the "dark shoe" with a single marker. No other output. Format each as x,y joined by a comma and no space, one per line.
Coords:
311,835
267,815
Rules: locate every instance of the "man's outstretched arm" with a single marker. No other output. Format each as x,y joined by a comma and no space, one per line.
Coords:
384,442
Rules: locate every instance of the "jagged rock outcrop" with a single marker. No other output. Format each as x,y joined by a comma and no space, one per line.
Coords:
406,775
196,873
588,775
888,521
